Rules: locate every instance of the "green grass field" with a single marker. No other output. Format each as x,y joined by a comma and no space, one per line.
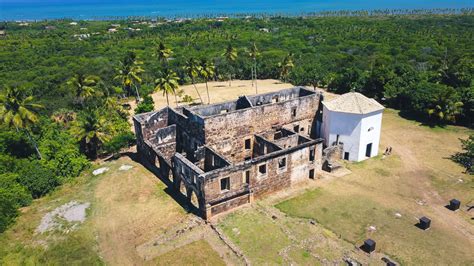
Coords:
196,253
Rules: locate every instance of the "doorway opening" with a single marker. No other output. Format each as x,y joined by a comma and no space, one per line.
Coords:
346,156
368,150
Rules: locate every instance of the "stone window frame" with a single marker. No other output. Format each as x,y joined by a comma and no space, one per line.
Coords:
266,170
293,112
249,139
244,177
312,150
228,184
282,169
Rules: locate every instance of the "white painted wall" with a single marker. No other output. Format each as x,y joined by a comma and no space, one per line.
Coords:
372,121
353,131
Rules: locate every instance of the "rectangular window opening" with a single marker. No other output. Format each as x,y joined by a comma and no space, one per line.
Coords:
282,163
296,128
293,112
346,156
225,184
246,177
262,169
311,174
311,154
248,144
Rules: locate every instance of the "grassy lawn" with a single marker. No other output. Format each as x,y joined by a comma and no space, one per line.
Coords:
418,179
196,253
127,209
21,245
256,235
350,216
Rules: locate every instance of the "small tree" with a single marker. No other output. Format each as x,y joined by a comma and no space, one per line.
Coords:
129,73
285,67
230,54
83,86
167,83
92,129
119,142
254,54
147,105
207,72
19,111
193,69
466,157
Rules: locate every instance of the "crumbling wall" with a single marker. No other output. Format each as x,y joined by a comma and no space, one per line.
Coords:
235,173
228,138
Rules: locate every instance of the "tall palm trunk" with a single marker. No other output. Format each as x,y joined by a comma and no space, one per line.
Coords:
138,94
251,75
34,144
167,99
176,99
194,84
255,74
207,89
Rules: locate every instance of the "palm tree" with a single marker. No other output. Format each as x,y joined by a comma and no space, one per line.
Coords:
254,53
230,54
207,72
285,66
193,69
167,83
91,129
129,73
19,111
83,86
163,53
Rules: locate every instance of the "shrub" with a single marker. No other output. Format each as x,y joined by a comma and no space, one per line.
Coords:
119,142
38,179
15,144
12,196
145,106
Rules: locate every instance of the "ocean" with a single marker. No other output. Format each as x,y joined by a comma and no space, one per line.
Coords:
104,9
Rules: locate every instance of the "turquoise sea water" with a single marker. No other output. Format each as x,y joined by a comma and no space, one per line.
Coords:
99,9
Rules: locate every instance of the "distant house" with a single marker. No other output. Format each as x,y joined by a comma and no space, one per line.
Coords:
354,122
50,27
112,30
3,33
73,23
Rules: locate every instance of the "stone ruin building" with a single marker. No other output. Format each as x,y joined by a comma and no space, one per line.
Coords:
225,155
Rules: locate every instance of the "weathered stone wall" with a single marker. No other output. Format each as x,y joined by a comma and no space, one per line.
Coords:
226,133
229,204
204,145
297,169
235,173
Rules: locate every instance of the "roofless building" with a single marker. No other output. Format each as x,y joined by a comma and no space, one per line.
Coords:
224,155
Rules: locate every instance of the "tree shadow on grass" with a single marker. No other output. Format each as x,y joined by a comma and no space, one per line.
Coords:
423,120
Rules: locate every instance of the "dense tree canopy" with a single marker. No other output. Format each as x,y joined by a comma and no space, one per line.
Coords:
81,76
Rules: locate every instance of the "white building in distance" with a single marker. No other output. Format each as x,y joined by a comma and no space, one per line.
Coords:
354,121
